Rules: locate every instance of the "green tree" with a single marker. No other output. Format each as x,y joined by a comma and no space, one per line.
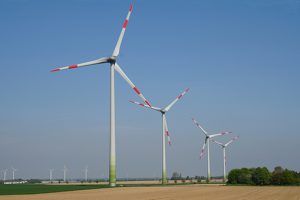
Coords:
277,176
34,181
233,176
284,177
289,177
175,176
245,176
240,176
278,169
261,176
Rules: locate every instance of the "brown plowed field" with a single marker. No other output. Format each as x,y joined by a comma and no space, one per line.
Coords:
193,192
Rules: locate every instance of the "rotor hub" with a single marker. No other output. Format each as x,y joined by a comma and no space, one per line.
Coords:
112,60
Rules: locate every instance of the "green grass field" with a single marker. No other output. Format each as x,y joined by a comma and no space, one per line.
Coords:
40,188
18,189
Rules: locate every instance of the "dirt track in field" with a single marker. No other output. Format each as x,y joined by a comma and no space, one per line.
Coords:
193,192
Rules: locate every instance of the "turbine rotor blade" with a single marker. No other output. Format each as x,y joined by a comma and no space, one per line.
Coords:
219,143
219,134
203,148
199,126
121,72
144,105
233,139
119,42
166,129
94,62
177,98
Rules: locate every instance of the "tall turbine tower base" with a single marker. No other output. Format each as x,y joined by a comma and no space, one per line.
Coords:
164,167
112,158
208,163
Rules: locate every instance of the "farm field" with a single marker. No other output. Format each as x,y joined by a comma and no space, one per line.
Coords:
193,192
41,188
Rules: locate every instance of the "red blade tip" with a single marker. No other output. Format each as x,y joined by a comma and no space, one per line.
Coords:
55,70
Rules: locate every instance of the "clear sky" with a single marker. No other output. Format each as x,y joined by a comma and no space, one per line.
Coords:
239,58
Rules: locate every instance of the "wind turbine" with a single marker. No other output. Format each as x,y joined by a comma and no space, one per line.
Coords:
112,60
4,174
13,173
50,174
165,131
224,155
86,173
206,142
65,173
127,177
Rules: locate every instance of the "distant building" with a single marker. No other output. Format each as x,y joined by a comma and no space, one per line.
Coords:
48,182
14,182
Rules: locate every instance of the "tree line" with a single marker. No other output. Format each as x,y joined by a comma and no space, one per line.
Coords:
262,176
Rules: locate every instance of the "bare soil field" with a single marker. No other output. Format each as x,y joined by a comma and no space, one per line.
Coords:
192,192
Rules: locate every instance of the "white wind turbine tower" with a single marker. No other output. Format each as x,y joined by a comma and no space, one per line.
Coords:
13,173
86,169
165,131
224,154
65,173
51,174
112,60
206,142
4,174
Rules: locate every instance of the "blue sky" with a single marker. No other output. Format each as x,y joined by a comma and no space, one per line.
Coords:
240,60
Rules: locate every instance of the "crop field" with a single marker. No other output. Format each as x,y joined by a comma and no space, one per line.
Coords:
193,192
40,188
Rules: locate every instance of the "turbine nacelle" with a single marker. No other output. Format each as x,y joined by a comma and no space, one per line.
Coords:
112,59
